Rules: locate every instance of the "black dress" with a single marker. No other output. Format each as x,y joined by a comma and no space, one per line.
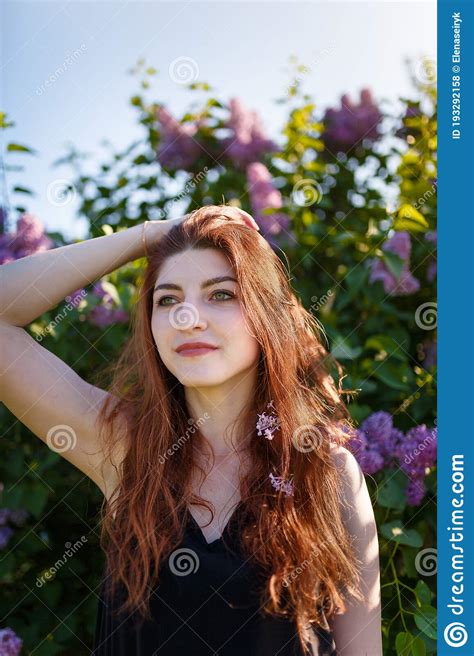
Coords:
207,605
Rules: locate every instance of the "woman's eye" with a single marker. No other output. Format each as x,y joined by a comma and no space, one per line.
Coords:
226,293
161,300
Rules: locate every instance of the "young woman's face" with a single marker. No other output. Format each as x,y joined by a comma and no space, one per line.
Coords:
187,307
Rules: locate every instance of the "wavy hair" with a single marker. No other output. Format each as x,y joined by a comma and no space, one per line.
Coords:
144,520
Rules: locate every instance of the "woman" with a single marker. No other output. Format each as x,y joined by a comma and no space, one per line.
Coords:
234,519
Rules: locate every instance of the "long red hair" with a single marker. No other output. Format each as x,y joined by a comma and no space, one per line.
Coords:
144,521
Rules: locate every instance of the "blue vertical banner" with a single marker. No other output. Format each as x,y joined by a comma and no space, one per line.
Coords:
456,328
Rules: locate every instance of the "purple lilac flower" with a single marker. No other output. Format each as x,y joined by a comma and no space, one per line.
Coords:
19,516
417,454
178,149
10,643
99,290
431,271
347,126
376,442
76,296
400,244
102,316
415,492
369,457
4,516
5,534
283,484
432,236
105,314
263,195
430,351
267,424
28,239
381,435
248,143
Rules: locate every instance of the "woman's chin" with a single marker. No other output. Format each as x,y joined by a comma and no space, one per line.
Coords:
198,379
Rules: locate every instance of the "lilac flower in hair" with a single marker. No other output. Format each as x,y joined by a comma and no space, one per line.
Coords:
280,483
268,424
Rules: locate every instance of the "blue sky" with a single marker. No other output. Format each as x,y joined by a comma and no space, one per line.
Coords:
65,68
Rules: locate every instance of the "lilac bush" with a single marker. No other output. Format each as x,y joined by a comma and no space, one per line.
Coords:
405,283
348,125
28,238
263,195
378,445
248,142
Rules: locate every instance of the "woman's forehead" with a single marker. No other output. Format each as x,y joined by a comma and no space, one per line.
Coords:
195,264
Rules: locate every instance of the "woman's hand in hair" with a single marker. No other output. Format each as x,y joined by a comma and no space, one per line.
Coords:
156,230
236,214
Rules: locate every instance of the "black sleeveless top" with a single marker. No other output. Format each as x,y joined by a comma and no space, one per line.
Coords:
205,604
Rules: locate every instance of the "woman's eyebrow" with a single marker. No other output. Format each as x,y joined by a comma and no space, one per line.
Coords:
206,283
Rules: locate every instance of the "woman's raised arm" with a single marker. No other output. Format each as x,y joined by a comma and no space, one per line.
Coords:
41,390
35,284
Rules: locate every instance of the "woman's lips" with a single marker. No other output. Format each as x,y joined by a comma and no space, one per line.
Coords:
190,352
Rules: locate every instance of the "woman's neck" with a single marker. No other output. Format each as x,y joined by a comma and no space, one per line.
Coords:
219,410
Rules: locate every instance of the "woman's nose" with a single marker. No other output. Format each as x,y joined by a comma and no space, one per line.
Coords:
187,315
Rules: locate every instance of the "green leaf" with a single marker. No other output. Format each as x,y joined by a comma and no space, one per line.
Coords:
23,190
385,343
396,532
418,647
408,218
396,376
342,350
423,593
392,491
403,643
36,500
425,620
394,263
18,148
